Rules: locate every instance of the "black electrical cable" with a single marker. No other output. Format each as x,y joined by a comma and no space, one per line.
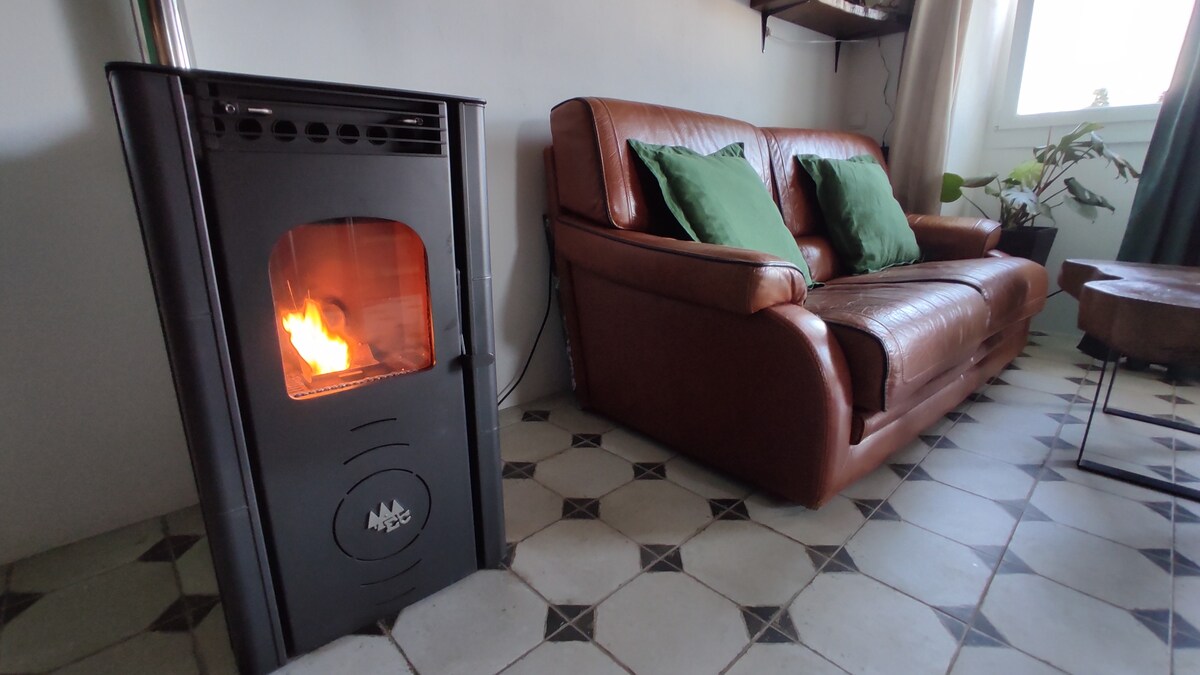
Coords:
1054,294
545,317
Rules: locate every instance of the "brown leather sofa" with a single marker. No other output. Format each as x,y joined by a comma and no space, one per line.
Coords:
724,354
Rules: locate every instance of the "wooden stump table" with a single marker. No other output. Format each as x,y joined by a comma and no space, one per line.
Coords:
1146,312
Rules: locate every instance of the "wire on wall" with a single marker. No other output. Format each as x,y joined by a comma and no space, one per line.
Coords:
886,83
512,386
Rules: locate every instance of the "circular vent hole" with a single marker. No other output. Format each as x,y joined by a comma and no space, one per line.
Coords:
348,134
284,130
317,132
377,135
249,129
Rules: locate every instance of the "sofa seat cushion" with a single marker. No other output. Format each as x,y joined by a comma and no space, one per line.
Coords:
899,336
1012,288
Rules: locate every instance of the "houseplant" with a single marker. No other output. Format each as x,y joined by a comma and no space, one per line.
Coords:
1035,188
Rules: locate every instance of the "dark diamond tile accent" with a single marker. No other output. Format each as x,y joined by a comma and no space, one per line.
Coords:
1064,418
536,416
728,509
820,554
1187,636
570,623
1012,564
1156,620
1014,506
1034,514
956,628
1185,566
989,554
170,548
1185,477
877,509
510,552
977,639
961,418
841,561
1174,418
585,440
649,470
998,381
184,614
1012,366
910,472
901,470
1069,398
1050,475
1165,441
1163,509
938,442
919,474
961,612
867,506
518,469
1035,333
1033,470
661,558
1172,398
985,628
977,397
1081,380
1183,515
776,622
1158,556
1055,443
581,509
757,618
13,603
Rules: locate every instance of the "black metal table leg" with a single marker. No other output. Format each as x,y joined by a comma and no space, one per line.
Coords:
1158,484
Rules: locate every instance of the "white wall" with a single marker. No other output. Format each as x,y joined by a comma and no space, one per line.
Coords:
524,57
90,437
871,73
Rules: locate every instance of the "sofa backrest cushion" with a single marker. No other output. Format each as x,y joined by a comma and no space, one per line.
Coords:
598,173
796,191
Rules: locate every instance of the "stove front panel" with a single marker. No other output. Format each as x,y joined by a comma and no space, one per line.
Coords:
362,467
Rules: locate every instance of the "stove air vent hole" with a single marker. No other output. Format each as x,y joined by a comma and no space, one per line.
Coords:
317,132
284,131
348,134
376,135
249,129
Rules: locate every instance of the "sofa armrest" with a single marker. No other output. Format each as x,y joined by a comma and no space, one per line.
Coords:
954,238
729,279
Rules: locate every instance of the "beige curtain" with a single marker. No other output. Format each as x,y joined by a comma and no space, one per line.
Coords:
932,57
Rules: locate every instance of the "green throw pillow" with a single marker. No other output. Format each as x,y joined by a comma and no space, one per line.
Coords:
720,199
864,221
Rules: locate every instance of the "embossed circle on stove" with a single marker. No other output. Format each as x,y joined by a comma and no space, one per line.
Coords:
381,515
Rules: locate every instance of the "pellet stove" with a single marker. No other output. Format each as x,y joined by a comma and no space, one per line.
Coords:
320,260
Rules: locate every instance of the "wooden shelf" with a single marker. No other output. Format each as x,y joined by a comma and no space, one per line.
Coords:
838,19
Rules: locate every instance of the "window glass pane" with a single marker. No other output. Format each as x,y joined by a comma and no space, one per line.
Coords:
351,304
1100,53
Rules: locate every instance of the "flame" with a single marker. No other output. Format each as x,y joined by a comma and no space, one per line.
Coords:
324,352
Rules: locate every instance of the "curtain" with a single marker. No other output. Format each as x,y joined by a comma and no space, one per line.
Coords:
1164,223
932,57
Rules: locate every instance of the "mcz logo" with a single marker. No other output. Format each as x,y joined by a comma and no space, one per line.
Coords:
388,519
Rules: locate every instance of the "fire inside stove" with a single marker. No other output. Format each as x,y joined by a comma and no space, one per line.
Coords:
351,302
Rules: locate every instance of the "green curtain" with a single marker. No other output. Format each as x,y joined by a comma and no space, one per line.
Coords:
1164,223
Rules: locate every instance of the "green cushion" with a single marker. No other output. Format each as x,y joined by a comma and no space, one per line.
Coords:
864,221
720,199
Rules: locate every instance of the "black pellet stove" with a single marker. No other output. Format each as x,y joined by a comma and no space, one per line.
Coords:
320,260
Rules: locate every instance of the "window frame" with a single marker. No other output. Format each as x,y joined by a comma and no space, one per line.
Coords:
1007,117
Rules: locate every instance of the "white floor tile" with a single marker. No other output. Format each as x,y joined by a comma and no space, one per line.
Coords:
670,623
351,655
635,447
579,422
997,442
1103,514
706,482
185,521
999,661
532,441
577,562
479,625
950,512
528,507
655,512
157,653
1069,629
576,658
584,472
933,569
212,645
1096,566
876,485
75,562
196,575
748,563
87,617
866,627
981,475
782,659
830,525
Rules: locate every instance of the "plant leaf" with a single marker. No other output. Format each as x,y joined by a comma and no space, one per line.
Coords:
1046,211
1020,197
952,185
1079,132
1086,196
1086,210
1027,173
979,181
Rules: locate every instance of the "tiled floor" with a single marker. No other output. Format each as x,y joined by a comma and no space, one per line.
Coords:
978,549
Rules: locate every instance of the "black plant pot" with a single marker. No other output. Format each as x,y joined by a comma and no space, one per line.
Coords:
1028,242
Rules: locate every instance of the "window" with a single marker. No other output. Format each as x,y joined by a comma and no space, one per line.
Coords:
1112,59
